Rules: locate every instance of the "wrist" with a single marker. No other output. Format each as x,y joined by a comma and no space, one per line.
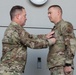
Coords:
50,42
67,64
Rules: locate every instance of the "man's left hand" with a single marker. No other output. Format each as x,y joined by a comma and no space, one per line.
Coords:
67,69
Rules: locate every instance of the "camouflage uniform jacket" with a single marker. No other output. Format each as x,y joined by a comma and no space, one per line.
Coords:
15,43
63,51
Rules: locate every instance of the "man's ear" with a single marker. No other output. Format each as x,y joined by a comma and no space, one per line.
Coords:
18,16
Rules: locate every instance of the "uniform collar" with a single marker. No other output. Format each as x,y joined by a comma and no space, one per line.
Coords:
14,23
57,24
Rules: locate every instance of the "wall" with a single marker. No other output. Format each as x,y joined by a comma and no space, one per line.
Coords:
36,17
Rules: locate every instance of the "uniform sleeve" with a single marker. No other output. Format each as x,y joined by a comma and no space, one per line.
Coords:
34,41
70,43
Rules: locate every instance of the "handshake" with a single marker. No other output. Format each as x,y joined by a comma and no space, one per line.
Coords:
51,38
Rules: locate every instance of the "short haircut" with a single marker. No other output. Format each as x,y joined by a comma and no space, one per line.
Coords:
56,6
14,10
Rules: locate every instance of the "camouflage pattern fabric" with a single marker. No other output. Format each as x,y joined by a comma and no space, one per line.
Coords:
9,73
63,51
5,70
59,71
15,43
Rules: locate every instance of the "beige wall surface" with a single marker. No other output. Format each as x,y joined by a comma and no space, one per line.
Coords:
36,17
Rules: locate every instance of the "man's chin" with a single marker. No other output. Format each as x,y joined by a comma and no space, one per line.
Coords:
22,25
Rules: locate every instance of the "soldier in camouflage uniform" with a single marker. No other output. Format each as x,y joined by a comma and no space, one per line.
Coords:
61,54
15,43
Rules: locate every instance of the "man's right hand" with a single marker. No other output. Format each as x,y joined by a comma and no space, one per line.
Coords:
50,35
